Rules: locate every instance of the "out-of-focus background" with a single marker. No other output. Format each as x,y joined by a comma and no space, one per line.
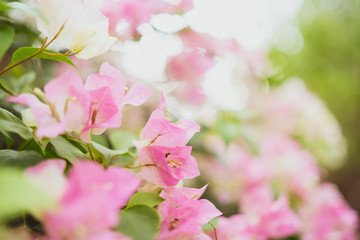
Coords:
315,40
329,63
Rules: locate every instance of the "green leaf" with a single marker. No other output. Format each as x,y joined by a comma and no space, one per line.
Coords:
140,222
11,124
122,160
144,198
207,226
100,139
66,149
18,195
122,140
25,52
7,35
105,154
21,159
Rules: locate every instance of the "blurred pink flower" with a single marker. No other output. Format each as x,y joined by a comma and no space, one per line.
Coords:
236,227
269,218
88,177
286,162
89,207
189,66
326,215
137,12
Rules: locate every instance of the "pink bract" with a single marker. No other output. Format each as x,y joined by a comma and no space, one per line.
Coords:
159,131
166,166
108,97
66,108
186,219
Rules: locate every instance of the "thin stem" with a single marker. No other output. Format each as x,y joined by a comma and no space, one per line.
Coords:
53,54
75,140
89,148
25,224
131,162
42,48
62,27
214,230
6,89
20,62
140,166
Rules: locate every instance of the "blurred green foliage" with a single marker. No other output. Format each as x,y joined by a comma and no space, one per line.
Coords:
330,66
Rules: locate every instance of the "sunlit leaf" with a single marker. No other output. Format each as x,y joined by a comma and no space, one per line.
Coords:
25,52
144,198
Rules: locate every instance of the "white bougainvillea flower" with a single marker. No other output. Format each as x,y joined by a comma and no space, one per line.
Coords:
81,28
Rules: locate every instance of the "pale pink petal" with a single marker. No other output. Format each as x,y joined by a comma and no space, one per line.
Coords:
137,95
48,126
175,196
108,70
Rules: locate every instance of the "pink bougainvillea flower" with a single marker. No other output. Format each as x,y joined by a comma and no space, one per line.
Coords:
326,215
159,131
89,207
270,219
107,94
186,219
66,106
166,166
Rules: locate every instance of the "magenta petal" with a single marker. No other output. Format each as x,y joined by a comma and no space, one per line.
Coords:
170,164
